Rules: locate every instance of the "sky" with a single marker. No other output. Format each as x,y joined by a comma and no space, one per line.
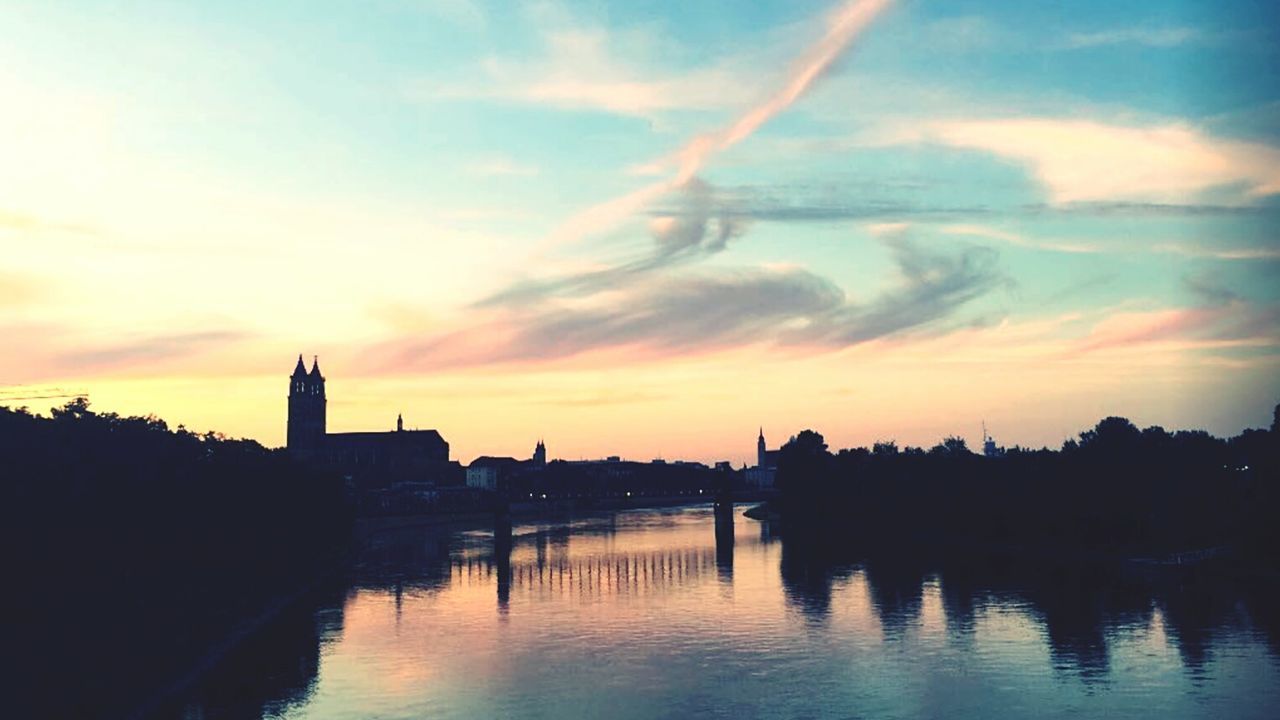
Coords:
645,228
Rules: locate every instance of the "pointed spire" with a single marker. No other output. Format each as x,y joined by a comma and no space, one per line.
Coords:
761,433
315,366
301,369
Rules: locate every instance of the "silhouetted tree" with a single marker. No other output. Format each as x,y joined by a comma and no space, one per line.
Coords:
1115,490
951,446
802,467
885,448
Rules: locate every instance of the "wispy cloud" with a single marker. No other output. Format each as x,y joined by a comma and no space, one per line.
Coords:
1081,160
584,66
1236,324
843,26
1021,240
649,316
1221,318
147,350
59,351
933,286
501,167
700,223
1161,37
1198,251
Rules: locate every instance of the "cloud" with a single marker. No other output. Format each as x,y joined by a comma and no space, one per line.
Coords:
1019,240
593,68
1221,318
145,351
501,167
1232,324
1083,161
1196,251
1122,208
843,26
1148,36
59,351
633,304
646,316
826,203
699,223
933,285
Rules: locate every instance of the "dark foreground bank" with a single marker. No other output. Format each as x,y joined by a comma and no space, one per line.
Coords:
136,551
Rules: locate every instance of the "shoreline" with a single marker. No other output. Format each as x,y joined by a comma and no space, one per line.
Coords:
184,682
550,509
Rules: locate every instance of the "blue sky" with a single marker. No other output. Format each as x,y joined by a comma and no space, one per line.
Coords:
487,202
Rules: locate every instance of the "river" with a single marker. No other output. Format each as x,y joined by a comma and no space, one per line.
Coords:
674,613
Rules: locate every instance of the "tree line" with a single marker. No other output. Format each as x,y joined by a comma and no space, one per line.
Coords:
1116,490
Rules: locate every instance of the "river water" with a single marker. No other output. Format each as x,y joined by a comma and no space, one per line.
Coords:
674,613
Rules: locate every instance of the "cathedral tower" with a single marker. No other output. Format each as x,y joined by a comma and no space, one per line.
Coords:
305,434
761,454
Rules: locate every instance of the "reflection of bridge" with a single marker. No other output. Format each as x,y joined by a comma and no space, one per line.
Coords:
606,573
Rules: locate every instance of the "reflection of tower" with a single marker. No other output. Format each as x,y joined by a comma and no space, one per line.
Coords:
306,425
540,454
761,454
502,558
724,541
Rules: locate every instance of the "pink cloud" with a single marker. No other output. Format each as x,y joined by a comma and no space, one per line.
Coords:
1082,160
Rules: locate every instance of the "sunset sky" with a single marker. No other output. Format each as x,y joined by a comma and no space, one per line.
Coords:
645,228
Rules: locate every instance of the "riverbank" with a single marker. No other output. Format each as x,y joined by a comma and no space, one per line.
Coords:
168,697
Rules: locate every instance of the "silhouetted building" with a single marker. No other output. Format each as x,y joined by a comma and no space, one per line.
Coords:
765,458
371,459
492,473
500,473
762,475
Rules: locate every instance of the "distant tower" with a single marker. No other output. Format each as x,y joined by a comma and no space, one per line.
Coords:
305,435
989,447
540,454
399,422
761,453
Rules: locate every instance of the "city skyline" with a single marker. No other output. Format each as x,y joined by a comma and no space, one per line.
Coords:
641,231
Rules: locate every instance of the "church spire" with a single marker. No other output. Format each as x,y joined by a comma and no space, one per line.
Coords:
315,366
301,369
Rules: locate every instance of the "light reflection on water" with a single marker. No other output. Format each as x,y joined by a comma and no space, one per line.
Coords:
669,613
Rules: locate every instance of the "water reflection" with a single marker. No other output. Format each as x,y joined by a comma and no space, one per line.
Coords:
724,541
273,670
1081,611
702,611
